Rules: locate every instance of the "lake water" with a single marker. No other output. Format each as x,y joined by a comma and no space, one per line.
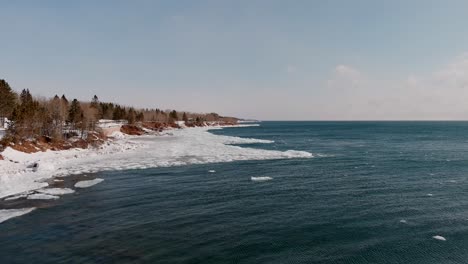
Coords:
374,192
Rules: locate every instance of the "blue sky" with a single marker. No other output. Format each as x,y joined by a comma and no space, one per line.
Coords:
294,60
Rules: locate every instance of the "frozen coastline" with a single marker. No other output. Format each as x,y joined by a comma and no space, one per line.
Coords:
173,148
21,172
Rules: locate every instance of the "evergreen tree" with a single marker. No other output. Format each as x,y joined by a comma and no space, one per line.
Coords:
140,117
173,114
131,116
74,113
95,102
185,118
7,101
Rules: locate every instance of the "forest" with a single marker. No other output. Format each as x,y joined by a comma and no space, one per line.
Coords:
58,118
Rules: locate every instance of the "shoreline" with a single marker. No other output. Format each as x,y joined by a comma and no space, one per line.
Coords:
177,147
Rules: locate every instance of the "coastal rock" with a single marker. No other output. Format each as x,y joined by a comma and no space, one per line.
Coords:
132,130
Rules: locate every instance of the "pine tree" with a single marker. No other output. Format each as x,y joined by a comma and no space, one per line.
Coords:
185,118
75,113
131,116
95,102
7,101
173,114
64,99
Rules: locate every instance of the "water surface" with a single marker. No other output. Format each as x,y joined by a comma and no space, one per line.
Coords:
345,205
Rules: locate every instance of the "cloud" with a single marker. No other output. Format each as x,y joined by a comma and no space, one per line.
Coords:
347,71
455,74
441,94
346,77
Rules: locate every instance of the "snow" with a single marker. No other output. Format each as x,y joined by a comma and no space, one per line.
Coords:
10,213
180,123
107,123
117,135
86,184
2,133
182,147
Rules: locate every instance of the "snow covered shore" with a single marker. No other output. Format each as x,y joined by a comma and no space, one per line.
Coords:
21,172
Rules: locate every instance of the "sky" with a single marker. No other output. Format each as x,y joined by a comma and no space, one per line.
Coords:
261,59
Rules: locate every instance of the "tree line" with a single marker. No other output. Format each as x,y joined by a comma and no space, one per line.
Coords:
59,117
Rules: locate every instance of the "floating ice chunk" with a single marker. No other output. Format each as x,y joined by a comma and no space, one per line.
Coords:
441,238
297,154
42,196
16,197
10,213
86,184
263,178
56,191
211,171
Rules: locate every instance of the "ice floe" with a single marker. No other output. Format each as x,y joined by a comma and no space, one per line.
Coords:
86,184
439,238
56,191
263,178
10,213
42,196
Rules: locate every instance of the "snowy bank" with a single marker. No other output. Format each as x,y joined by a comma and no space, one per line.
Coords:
21,172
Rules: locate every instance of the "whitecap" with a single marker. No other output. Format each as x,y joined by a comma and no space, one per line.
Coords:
263,178
211,171
10,213
86,184
403,221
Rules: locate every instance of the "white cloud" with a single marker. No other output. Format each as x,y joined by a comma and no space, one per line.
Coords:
442,94
346,77
347,71
455,74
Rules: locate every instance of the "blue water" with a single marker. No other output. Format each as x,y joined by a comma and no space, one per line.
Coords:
342,206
